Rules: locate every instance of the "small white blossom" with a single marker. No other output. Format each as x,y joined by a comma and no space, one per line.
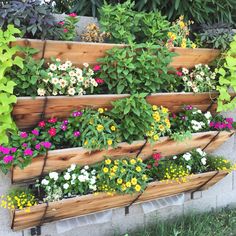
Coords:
53,175
63,83
52,67
41,92
71,91
67,176
45,182
185,71
174,157
203,161
187,156
86,65
208,115
55,80
66,186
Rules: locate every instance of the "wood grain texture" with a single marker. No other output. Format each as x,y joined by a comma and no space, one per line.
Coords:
27,111
83,205
59,160
80,52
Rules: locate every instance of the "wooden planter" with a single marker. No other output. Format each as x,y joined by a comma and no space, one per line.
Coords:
27,110
80,52
83,205
59,160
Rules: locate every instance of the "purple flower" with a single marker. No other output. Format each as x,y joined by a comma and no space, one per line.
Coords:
229,126
63,127
76,113
65,122
24,145
183,117
37,146
7,159
76,133
28,152
188,107
46,144
5,150
23,135
35,132
229,120
217,125
13,150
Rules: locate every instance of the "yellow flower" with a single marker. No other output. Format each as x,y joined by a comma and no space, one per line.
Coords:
134,181
91,122
109,142
154,107
123,187
138,168
116,162
128,184
155,137
181,17
100,128
119,181
183,45
100,110
139,159
193,45
150,133
114,169
164,110
144,177
108,161
105,169
181,24
132,161
168,125
125,162
86,142
137,188
173,37
113,128
161,127
169,34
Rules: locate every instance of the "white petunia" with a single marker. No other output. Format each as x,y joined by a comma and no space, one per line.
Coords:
174,157
81,178
185,71
55,80
41,92
207,115
53,175
187,156
203,161
74,176
66,186
52,67
71,91
85,64
73,166
86,167
45,182
67,176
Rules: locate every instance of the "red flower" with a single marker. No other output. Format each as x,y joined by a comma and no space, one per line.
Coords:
41,124
52,132
179,73
52,120
99,81
73,14
149,166
96,68
156,156
61,23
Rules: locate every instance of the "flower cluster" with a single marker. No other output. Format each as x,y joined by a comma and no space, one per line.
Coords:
220,123
66,79
72,182
179,34
219,163
199,79
18,199
122,176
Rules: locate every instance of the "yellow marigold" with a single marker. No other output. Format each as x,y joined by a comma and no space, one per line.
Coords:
134,181
155,137
100,128
138,168
108,161
105,170
109,142
123,187
161,127
193,45
137,188
164,110
173,37
128,184
119,181
114,168
169,34
139,159
144,177
181,24
100,110
125,162
132,161
150,133
154,107
183,45
113,128
116,162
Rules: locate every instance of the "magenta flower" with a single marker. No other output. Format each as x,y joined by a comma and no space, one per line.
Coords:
76,133
23,135
13,150
99,81
28,152
212,124
96,68
229,126
179,73
229,120
5,150
52,132
46,144
7,159
63,127
77,113
65,30
42,124
35,132
37,146
52,120
189,107
61,23
24,145
65,122
72,14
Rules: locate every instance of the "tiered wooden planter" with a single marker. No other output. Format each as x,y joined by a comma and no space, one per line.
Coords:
80,52
27,110
79,206
59,160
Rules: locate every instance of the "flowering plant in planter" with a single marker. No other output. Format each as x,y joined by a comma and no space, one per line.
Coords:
199,79
66,79
72,182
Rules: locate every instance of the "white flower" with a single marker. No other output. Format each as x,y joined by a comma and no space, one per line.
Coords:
74,176
52,67
207,115
80,79
68,64
202,73
53,175
41,92
195,90
58,59
213,75
86,167
185,78
185,71
81,178
203,161
207,66
189,83
86,65
55,80
93,172
45,182
66,186
187,156
67,176
189,167
72,181
71,91
73,166
54,93
50,74
199,111
72,73
63,83
93,187
73,80
90,71
78,72
174,157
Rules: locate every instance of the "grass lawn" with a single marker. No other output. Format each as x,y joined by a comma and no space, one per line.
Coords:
221,223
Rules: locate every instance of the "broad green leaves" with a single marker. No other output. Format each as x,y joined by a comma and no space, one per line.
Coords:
7,60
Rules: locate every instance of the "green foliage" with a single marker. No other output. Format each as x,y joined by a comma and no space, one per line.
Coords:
219,163
181,136
227,80
7,60
216,36
138,68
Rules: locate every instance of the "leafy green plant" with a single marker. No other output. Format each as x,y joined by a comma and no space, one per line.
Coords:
217,35
34,19
7,60
227,80
138,68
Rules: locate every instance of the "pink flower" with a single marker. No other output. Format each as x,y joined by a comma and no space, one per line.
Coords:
156,156
37,146
99,81
24,145
65,122
52,120
47,144
35,132
229,126
65,30
28,152
97,68
8,159
23,135
5,150
52,132
212,124
61,23
76,133
72,14
63,127
149,166
156,163
174,115
13,150
77,113
41,124
229,120
179,73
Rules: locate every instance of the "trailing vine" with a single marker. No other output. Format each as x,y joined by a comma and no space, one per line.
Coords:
7,60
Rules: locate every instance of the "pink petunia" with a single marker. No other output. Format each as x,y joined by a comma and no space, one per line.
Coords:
72,14
42,124
76,133
96,68
65,30
5,150
28,152
52,132
99,81
61,23
52,120
47,144
37,146
35,132
8,159
23,135
179,73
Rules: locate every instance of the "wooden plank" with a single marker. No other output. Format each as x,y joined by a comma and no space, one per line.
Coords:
83,205
80,52
59,160
27,111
